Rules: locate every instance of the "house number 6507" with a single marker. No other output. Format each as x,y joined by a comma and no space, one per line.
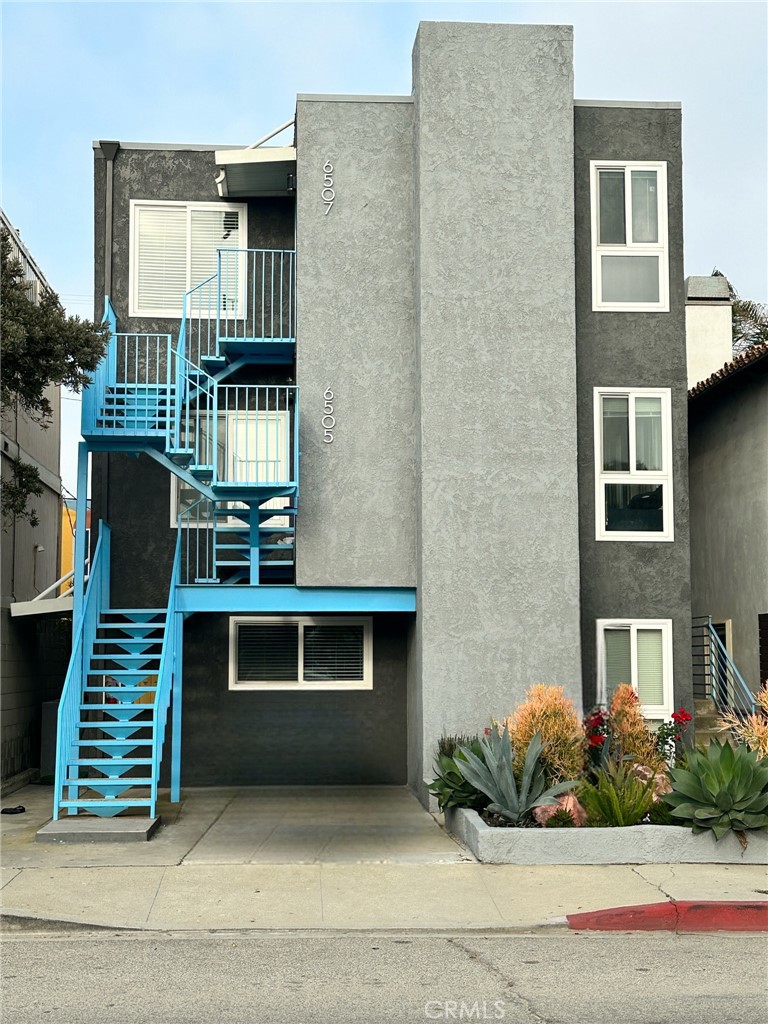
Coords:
328,194
329,421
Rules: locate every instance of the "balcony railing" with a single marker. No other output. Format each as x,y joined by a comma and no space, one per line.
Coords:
250,298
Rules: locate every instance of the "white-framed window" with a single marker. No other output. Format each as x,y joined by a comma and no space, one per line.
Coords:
633,464
301,652
173,248
630,257
638,652
252,446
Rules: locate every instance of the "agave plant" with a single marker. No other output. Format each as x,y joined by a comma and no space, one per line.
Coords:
494,776
722,788
450,787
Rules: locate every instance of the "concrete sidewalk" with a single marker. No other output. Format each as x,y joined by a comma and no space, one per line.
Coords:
382,863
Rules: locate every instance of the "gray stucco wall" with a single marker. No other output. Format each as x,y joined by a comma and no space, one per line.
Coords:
498,558
355,336
632,580
729,510
273,738
168,174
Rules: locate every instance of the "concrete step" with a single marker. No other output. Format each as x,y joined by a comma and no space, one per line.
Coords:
81,829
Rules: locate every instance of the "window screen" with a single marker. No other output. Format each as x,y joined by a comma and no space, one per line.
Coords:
268,652
333,652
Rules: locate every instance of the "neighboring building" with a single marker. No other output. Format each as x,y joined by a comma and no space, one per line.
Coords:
728,432
68,527
30,559
478,290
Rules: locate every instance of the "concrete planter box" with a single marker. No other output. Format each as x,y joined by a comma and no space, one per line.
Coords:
638,844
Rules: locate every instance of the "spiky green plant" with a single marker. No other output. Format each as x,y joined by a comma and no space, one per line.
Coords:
617,797
450,787
722,788
447,744
493,775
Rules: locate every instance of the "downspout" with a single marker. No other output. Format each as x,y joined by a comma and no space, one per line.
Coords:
109,149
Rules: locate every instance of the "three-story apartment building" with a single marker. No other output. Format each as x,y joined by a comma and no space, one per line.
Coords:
392,426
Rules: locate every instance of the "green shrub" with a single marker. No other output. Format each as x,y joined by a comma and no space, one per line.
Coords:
493,774
560,819
617,797
722,789
660,814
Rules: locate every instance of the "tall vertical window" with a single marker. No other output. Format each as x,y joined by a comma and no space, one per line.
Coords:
638,652
633,464
630,266
174,247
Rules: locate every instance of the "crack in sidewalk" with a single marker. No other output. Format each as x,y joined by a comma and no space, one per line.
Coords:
520,1000
656,885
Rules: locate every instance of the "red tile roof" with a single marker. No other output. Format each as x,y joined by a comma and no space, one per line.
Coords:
752,355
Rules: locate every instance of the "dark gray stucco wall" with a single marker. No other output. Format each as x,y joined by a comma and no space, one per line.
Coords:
355,336
728,437
498,559
133,496
632,580
168,174
273,738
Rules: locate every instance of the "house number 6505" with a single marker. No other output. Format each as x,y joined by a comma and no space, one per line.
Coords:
329,421
328,194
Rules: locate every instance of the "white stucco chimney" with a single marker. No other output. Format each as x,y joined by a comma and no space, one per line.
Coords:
708,337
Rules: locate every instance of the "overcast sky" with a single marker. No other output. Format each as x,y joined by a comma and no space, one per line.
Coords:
229,72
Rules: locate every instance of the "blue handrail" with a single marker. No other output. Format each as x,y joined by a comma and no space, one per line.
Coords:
96,599
723,682
164,679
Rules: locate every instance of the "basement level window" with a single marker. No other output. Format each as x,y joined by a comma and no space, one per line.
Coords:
174,247
630,260
289,652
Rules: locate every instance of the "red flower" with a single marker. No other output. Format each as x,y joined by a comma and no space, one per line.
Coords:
681,716
487,732
596,741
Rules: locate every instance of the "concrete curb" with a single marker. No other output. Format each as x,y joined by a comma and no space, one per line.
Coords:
677,916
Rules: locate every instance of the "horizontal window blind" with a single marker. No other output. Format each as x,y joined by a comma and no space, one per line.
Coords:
162,257
618,662
650,668
212,230
268,652
333,652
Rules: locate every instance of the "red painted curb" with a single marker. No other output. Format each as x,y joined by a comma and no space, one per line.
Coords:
677,915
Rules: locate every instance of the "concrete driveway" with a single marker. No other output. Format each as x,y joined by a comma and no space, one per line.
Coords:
312,825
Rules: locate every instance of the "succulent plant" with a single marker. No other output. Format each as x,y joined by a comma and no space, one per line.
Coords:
493,774
722,788
617,797
450,787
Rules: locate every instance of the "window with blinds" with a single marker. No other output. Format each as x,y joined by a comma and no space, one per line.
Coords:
633,464
174,247
295,652
629,236
638,653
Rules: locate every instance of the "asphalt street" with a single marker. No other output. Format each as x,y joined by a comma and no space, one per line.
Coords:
367,978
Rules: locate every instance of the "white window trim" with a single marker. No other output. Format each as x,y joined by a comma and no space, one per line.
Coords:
300,685
653,712
637,476
629,248
133,253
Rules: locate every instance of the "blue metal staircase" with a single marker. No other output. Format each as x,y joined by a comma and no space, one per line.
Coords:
715,675
235,444
115,700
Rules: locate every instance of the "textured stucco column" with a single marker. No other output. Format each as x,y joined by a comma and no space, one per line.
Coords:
355,332
498,558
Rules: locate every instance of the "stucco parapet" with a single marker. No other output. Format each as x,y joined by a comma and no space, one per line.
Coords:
187,147
312,97
637,104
